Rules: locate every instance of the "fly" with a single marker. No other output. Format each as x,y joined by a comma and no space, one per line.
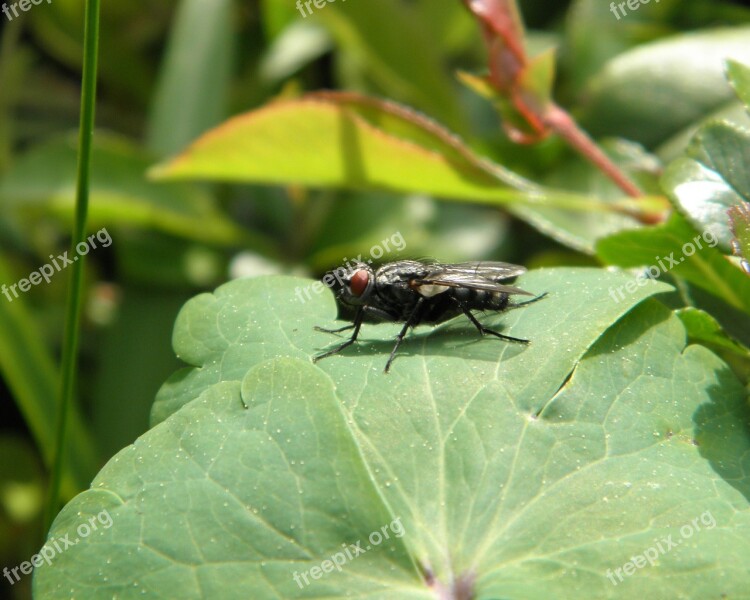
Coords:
413,292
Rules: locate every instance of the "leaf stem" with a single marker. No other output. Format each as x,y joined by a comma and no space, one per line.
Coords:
75,292
562,123
510,74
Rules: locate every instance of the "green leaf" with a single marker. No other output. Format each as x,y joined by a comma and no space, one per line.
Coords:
739,76
675,248
414,226
449,22
42,182
734,112
354,142
195,336
29,371
299,44
595,33
340,140
651,92
122,403
702,328
739,217
711,179
520,471
581,230
125,63
277,15
193,87
397,51
538,78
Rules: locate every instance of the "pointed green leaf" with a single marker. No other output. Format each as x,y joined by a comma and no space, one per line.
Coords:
349,141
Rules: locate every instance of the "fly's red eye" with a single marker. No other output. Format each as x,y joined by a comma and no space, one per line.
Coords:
358,282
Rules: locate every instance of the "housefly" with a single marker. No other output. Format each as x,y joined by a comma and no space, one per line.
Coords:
413,292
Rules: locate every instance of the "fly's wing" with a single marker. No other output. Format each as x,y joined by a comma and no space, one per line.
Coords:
476,276
495,271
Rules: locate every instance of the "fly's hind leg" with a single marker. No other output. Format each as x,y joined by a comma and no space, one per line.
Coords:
527,302
483,330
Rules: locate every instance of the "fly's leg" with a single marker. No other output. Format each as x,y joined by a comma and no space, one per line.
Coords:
339,330
358,318
366,310
482,329
412,321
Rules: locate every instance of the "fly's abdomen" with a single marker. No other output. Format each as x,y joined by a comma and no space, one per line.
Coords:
480,299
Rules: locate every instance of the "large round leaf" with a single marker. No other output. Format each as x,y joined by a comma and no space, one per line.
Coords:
476,469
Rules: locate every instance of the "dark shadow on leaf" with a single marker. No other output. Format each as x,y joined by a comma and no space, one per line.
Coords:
722,431
463,342
623,331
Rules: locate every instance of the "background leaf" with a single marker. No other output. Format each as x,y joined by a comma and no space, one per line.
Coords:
375,35
42,182
29,371
739,217
739,76
649,93
353,142
703,266
711,179
193,90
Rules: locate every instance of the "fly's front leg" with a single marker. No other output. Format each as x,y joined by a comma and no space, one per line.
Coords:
358,318
339,330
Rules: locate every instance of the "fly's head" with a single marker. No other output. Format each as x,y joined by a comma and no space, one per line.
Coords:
355,284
